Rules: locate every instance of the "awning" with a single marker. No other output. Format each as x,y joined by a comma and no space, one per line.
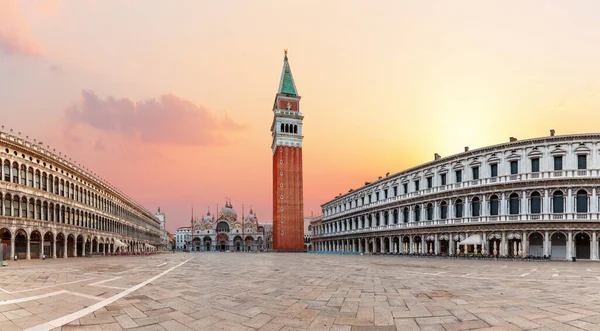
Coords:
120,243
474,239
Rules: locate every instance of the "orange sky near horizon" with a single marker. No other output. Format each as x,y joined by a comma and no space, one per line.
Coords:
171,102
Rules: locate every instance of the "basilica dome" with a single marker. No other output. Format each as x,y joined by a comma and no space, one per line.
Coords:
228,212
251,217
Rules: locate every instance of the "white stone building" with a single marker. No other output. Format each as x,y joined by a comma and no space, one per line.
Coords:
51,206
534,197
164,236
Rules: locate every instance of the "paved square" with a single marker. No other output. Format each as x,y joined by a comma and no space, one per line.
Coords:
279,291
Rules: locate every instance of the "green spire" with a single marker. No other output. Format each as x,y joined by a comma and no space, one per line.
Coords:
286,85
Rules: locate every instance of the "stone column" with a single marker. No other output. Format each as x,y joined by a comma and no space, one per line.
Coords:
54,246
436,248
570,245
66,251
41,250
97,246
569,205
83,246
28,256
410,245
503,245
525,244
594,248
593,204
451,250
12,244
390,245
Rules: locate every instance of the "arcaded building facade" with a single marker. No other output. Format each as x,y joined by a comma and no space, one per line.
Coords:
52,207
534,197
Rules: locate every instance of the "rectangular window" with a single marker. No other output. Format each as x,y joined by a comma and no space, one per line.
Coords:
535,165
395,190
581,161
494,170
443,179
376,196
416,185
429,182
458,176
558,163
405,187
475,173
385,193
514,167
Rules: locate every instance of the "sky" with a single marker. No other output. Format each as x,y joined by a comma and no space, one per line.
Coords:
171,101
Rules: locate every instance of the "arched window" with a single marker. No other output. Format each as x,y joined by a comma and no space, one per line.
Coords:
295,128
582,205
444,210
417,213
430,212
405,215
395,216
6,170
24,207
513,204
30,177
475,207
45,211
15,173
458,206
23,175
31,209
281,128
536,203
38,210
44,181
7,203
37,179
287,128
558,202
16,204
494,205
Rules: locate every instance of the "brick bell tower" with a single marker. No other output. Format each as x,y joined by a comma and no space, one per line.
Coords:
286,130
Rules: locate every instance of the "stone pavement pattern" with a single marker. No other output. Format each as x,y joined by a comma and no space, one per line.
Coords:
250,291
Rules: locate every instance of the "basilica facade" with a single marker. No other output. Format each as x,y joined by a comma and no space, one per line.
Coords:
225,232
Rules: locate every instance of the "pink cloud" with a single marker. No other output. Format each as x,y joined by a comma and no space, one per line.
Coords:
15,37
167,120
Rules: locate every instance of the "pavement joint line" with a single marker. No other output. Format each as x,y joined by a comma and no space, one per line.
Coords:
59,322
43,287
160,265
83,295
124,271
8,302
105,281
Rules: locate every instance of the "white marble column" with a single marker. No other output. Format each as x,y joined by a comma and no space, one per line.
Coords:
54,246
28,256
570,243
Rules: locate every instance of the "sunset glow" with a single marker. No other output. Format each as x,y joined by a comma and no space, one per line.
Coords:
171,101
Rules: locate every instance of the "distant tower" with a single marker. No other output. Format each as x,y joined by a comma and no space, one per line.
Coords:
286,130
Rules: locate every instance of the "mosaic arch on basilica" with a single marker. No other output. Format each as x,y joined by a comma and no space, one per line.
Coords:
51,206
224,233
534,197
